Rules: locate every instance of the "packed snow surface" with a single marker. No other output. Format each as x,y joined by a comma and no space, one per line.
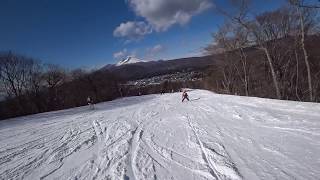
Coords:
129,60
158,137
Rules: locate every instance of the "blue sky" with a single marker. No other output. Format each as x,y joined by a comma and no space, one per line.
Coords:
87,33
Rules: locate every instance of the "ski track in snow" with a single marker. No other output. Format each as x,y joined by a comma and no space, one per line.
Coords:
157,137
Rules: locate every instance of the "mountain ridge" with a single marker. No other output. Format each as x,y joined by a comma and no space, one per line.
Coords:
129,60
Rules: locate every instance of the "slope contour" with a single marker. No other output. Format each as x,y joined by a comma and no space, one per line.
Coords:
158,137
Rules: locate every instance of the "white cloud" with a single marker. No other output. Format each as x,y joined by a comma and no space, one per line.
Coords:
124,53
132,30
154,51
162,14
121,54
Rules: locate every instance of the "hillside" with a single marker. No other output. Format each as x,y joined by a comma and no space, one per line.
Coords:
139,70
227,73
158,137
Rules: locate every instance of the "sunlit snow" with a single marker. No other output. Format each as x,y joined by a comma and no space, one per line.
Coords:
158,137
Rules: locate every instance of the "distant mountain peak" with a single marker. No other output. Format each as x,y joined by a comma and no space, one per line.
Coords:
129,60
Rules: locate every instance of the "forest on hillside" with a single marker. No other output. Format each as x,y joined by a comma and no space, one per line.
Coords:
272,54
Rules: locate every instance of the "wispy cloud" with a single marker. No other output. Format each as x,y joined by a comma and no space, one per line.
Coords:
132,30
120,54
124,53
154,51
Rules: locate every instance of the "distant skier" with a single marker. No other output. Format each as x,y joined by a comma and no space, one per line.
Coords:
185,95
90,103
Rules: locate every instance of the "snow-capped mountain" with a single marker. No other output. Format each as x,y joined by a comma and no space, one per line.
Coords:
129,60
151,68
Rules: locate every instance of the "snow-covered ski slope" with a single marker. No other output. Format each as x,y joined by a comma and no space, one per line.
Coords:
158,137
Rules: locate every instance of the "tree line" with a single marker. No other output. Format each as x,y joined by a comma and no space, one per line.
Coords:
269,54
33,87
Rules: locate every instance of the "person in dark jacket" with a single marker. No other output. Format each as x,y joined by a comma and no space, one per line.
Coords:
185,95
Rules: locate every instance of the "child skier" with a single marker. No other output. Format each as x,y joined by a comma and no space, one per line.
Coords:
185,95
90,103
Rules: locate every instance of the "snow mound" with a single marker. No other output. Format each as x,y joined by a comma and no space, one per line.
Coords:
129,60
157,137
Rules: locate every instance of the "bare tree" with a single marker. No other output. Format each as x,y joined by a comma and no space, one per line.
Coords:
18,76
302,4
267,31
15,73
36,78
257,33
54,77
78,73
233,40
306,23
